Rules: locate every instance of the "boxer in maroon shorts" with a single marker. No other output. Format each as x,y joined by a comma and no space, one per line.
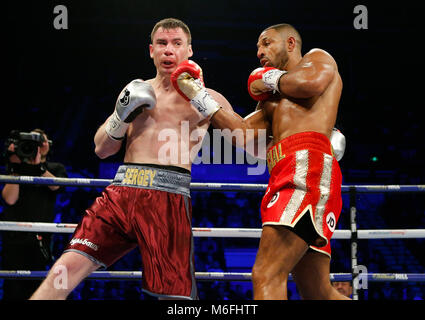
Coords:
299,98
148,202
154,214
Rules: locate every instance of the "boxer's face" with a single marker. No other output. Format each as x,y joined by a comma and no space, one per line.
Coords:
169,48
271,49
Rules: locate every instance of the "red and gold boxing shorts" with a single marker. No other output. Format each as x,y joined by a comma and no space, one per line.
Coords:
148,206
304,190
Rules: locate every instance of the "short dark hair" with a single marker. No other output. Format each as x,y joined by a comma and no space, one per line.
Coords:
282,27
40,131
43,133
172,23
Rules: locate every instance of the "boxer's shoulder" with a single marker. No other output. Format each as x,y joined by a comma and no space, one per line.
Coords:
320,55
222,101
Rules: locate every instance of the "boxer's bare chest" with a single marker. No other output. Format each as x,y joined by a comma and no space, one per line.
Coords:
163,134
288,116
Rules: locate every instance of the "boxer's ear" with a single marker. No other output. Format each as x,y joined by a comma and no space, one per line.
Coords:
190,51
151,51
290,44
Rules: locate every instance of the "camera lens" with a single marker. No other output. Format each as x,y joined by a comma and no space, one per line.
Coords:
27,149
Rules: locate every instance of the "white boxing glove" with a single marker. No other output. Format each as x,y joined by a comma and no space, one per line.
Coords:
338,143
136,96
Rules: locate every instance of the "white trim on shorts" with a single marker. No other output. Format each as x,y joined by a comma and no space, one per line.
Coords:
91,258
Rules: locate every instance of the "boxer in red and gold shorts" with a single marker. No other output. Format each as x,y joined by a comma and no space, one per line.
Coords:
298,105
148,206
304,190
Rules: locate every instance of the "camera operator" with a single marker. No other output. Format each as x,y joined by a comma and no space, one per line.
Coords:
26,154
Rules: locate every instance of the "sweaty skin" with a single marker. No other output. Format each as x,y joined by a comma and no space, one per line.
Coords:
309,98
288,115
161,128
168,49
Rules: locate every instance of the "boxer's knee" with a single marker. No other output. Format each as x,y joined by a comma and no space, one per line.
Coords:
73,266
268,283
67,272
263,274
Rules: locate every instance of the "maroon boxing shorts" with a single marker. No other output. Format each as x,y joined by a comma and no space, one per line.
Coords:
304,190
148,206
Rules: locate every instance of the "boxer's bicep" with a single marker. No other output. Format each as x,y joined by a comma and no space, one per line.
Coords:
222,101
257,120
225,118
249,126
310,77
323,69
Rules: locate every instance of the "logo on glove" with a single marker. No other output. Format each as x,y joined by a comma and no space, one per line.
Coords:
125,100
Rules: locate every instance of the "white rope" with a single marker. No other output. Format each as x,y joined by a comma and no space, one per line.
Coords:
391,234
220,232
37,227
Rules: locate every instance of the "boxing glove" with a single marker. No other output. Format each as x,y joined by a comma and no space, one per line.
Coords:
136,96
188,82
338,143
262,82
192,68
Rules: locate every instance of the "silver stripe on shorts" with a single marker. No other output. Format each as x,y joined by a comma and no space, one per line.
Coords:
300,181
325,190
194,291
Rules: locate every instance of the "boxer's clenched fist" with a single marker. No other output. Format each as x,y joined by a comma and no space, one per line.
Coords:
186,69
262,82
188,82
136,96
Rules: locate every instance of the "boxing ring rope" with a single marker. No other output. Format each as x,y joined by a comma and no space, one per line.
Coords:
353,234
220,232
198,186
213,276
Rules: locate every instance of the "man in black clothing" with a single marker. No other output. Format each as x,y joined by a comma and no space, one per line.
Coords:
33,203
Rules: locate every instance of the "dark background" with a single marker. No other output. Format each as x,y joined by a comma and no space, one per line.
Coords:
67,81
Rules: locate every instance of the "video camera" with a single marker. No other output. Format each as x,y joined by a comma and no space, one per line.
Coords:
26,144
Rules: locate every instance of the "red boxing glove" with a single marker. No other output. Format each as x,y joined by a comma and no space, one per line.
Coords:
191,68
254,89
188,82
